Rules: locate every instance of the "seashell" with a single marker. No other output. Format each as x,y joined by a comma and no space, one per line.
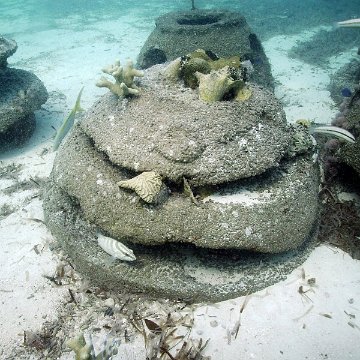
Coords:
147,185
115,248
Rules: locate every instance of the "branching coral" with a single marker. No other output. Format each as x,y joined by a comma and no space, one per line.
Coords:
124,79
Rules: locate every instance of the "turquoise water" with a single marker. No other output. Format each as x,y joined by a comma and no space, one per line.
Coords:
66,43
266,17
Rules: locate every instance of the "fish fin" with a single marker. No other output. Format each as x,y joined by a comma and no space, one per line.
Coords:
77,104
67,123
335,131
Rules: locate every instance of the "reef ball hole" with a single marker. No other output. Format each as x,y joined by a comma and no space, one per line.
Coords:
198,20
255,43
152,57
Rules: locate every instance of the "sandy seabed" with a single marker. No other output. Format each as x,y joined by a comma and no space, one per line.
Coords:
40,291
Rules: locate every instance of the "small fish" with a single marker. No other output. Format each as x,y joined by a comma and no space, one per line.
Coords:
349,23
336,131
346,92
67,123
326,315
115,248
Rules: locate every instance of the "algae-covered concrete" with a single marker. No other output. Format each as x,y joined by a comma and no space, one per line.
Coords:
7,48
279,210
21,93
168,129
350,153
239,189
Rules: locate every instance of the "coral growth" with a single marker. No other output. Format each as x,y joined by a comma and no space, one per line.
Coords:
349,119
124,79
216,78
301,141
214,86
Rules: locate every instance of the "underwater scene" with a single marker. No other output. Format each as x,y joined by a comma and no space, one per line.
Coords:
179,180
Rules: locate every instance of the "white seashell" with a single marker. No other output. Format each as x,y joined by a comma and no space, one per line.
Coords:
115,248
147,185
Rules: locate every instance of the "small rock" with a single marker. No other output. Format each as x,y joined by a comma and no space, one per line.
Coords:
109,302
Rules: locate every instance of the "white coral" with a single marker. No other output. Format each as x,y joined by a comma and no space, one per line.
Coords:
124,79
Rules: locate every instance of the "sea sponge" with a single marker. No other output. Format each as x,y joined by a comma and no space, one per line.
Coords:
199,54
124,79
81,349
243,94
192,66
232,61
226,76
85,351
214,86
172,71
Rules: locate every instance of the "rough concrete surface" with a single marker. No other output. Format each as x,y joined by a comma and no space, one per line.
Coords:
225,149
179,272
168,129
277,219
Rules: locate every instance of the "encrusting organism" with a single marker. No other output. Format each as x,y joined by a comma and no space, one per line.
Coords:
213,86
216,78
301,142
124,79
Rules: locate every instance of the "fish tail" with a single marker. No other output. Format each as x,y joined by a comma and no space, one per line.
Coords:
77,104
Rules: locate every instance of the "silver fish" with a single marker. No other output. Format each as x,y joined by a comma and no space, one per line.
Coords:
115,248
67,123
349,23
335,131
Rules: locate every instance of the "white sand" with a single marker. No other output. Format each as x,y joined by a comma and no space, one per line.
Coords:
276,323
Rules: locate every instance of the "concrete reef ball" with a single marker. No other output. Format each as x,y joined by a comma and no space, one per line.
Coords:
21,93
235,211
224,33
